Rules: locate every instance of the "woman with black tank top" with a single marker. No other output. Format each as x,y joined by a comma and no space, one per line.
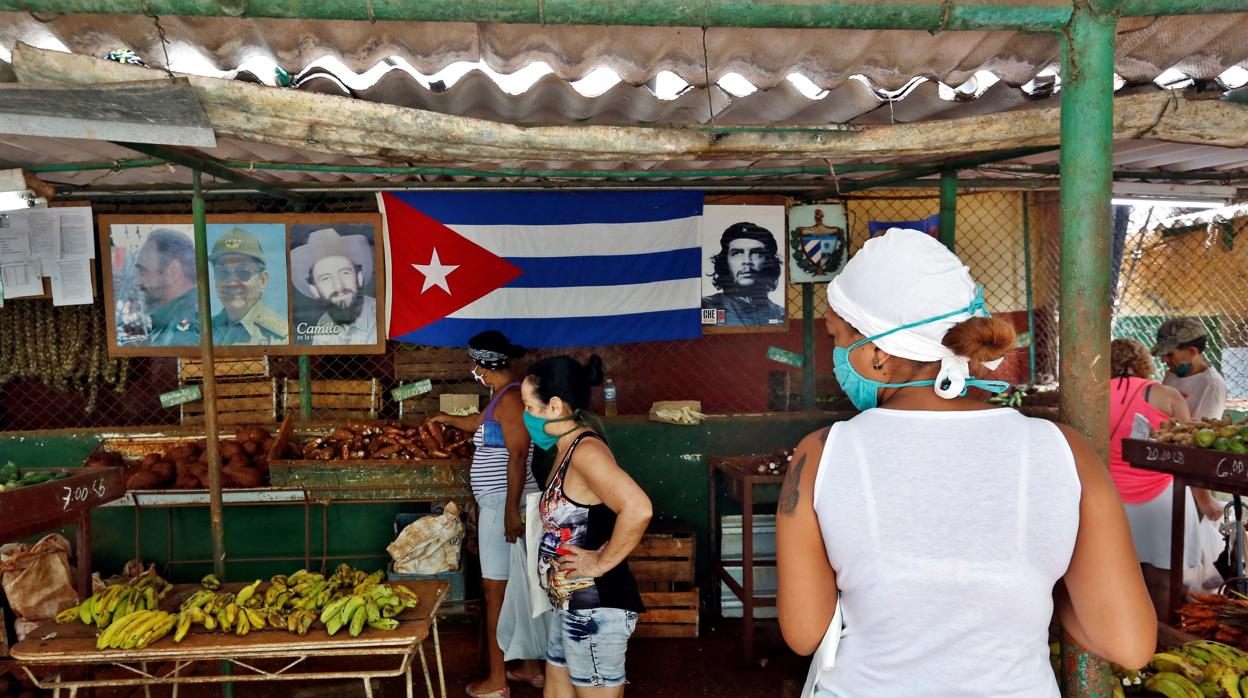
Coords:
593,515
501,475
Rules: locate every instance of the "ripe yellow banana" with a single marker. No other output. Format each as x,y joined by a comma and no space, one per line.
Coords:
245,595
1178,664
69,615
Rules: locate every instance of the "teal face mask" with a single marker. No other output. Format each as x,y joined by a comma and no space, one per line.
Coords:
1182,370
537,430
864,392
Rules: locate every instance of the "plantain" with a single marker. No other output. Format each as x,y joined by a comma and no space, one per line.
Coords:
275,619
1230,656
372,611
358,620
210,581
333,608
136,633
86,611
232,613
69,615
384,624
161,628
183,627
242,625
334,624
1226,678
254,618
244,596
353,604
104,639
1172,685
1178,664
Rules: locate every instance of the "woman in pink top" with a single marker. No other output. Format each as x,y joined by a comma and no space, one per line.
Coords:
1147,495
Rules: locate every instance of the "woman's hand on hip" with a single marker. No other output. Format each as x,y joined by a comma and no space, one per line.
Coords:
578,562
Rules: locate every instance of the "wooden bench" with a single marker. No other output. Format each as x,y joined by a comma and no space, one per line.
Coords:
335,399
238,402
663,563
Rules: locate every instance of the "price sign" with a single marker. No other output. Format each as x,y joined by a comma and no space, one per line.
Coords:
410,390
787,358
180,396
82,493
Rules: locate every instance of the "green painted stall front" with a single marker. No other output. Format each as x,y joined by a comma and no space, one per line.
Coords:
668,461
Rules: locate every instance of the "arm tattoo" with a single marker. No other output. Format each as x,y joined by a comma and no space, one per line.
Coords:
790,493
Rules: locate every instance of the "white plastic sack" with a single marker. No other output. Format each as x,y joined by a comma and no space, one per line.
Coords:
539,602
430,544
520,635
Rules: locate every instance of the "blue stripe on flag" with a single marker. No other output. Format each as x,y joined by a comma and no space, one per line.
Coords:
552,208
566,332
607,270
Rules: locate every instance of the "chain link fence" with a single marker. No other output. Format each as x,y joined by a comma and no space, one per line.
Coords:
1009,241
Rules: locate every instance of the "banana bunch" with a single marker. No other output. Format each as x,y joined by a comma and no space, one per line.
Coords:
1201,669
684,415
371,604
118,600
136,630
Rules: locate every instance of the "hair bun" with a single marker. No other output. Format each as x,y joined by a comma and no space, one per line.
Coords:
980,339
594,372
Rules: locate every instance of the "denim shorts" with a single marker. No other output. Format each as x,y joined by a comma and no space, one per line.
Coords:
591,644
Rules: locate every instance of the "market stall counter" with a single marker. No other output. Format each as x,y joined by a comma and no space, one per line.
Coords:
53,652
1191,466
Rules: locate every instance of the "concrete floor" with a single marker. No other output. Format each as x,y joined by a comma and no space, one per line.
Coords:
710,665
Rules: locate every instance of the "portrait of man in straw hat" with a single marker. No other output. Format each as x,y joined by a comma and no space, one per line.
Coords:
246,308
332,270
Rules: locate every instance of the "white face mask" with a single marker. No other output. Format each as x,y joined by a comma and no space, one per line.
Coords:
478,377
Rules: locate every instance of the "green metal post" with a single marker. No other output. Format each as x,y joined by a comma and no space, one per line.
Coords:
213,447
305,386
948,208
1031,305
808,346
1086,165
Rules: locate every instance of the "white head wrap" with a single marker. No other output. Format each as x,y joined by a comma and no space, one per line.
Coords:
906,276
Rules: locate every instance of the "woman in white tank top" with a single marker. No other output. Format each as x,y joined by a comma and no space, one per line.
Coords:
951,529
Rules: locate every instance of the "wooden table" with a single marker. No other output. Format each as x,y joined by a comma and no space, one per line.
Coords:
1191,467
740,480
53,648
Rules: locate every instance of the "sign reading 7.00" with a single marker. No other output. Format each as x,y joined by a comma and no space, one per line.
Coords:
82,493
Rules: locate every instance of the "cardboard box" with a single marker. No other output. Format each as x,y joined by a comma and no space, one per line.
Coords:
452,403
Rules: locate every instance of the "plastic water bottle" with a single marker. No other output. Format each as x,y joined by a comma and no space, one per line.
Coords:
608,395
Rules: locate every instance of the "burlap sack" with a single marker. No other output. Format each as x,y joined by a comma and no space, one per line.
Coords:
429,545
37,579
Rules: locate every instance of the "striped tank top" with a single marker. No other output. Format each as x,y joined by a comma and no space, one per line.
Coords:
489,459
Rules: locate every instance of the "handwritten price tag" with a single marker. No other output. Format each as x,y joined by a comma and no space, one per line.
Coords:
1157,455
82,493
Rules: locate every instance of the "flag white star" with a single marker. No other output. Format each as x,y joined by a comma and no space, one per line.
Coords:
435,273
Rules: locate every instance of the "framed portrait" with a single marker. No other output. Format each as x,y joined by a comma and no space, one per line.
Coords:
743,269
255,300
333,284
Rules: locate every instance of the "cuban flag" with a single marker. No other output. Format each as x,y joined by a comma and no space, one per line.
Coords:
552,269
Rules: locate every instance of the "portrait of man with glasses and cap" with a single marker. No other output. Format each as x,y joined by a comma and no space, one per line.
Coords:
247,310
332,270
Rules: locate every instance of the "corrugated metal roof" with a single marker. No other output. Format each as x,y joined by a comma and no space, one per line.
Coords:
404,55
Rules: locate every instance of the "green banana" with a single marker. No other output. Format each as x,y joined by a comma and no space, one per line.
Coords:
353,604
1226,677
332,609
358,620
334,624
242,625
1178,664
1172,685
69,615
1226,654
86,611
372,611
245,595
1197,654
184,626
388,624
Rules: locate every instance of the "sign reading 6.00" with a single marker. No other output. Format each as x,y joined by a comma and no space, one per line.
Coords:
82,493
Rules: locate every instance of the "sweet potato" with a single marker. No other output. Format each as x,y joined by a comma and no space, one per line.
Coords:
229,449
165,470
143,480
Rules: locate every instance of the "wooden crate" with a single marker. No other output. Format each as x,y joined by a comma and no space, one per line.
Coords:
448,369
229,367
663,563
335,399
244,402
428,479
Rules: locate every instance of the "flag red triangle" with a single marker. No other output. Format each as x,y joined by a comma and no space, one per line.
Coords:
420,282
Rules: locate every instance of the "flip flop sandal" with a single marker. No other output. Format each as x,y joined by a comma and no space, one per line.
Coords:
536,681
504,692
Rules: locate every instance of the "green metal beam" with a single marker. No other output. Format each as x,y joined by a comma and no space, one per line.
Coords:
212,166
842,14
927,170
216,516
948,208
1083,309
